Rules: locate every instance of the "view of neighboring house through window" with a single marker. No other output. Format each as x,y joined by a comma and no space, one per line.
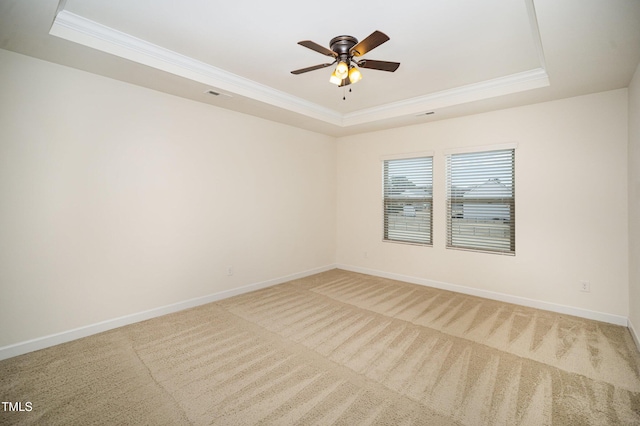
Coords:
481,201
408,200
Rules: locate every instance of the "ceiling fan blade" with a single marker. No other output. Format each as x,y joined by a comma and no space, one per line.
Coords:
315,46
379,65
313,68
374,40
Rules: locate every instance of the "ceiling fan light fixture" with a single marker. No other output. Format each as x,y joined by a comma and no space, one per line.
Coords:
335,79
342,69
355,75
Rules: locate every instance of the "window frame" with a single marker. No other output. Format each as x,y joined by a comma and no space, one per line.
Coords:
393,201
477,236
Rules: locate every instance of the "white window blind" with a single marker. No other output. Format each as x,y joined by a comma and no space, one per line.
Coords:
408,200
481,201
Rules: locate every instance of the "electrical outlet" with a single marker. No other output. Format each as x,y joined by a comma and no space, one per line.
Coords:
585,286
366,255
229,271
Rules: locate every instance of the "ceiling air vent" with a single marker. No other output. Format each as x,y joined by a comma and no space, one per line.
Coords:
217,93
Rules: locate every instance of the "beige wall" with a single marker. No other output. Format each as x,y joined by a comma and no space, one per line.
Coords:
571,203
116,199
634,204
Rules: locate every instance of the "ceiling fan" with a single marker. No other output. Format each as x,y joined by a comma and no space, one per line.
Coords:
346,50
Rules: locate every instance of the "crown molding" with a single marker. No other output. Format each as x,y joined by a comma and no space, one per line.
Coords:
535,32
78,29
513,83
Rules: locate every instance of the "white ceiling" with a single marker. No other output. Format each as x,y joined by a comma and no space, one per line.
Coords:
457,56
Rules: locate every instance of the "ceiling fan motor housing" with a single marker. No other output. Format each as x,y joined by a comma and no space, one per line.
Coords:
341,45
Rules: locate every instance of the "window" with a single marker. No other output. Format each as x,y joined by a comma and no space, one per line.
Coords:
481,201
408,200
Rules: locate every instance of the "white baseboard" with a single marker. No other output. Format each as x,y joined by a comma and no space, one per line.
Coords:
531,303
634,334
77,333
88,330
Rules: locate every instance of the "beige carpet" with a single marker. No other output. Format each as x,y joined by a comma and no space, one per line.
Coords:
337,348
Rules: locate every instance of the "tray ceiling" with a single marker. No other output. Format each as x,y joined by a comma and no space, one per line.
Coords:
457,57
